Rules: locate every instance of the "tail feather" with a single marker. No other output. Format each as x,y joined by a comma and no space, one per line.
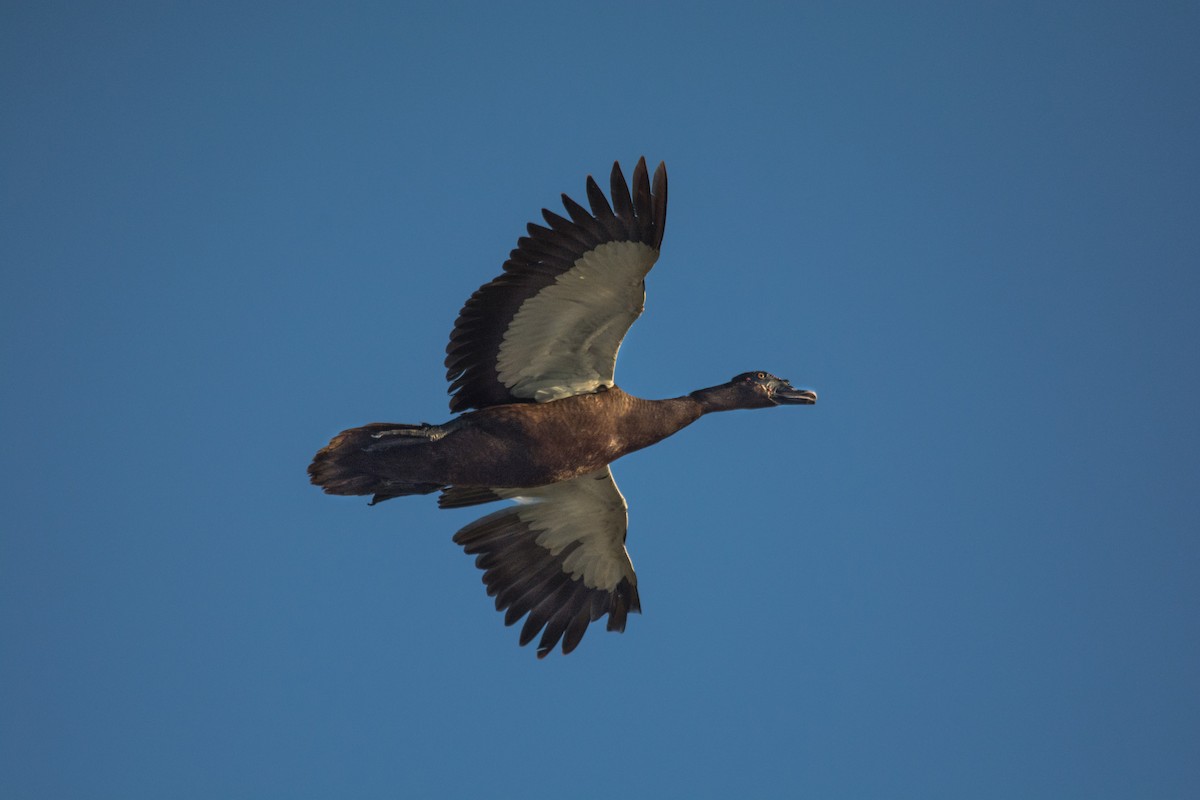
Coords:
351,463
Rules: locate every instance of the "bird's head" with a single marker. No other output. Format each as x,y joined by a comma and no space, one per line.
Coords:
753,390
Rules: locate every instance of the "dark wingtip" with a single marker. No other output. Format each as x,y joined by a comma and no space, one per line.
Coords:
659,193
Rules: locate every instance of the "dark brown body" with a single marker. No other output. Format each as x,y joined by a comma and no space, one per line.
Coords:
505,446
532,444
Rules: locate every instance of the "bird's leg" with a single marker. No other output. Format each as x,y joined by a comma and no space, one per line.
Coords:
408,434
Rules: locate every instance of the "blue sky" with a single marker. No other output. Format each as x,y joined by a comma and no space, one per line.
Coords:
972,570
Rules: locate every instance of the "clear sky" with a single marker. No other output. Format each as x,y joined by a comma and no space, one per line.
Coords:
972,570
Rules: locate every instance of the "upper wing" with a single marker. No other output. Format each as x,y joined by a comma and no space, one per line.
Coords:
558,555
551,324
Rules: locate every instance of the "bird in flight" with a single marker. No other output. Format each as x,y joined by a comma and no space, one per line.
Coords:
532,353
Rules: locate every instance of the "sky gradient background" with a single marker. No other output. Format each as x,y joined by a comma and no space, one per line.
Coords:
972,570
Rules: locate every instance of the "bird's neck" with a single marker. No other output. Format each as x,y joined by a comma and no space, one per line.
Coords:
715,398
648,421
657,419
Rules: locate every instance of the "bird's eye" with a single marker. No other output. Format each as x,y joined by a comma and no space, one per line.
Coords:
761,375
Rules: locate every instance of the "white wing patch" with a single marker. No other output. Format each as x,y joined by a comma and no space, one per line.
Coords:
564,340
590,510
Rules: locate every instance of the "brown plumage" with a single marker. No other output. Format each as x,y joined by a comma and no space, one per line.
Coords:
533,351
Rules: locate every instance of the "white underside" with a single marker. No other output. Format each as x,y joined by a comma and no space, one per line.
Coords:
589,509
564,340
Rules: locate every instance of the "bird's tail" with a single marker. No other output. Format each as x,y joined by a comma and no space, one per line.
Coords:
357,461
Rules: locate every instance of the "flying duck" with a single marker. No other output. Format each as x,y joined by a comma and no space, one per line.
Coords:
533,352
